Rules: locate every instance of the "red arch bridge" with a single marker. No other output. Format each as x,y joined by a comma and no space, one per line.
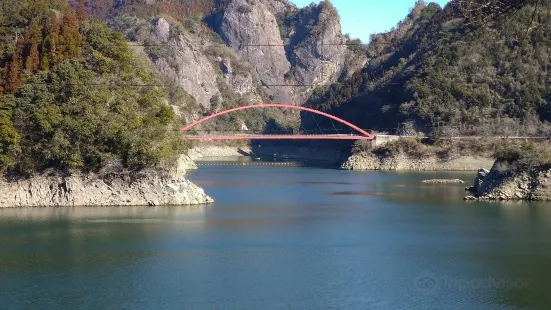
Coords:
361,134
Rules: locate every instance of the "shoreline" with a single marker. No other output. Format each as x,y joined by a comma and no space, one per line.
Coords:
156,188
371,162
339,159
145,188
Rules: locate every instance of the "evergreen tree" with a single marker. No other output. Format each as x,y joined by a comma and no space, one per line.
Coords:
45,59
9,137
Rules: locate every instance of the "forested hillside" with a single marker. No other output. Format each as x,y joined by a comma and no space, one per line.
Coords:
433,74
73,95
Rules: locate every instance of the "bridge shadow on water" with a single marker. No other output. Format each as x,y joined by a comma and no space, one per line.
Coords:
326,154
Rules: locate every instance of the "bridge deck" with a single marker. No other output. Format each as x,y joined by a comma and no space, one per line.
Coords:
280,137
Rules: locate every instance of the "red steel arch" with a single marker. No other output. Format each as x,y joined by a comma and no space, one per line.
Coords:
364,133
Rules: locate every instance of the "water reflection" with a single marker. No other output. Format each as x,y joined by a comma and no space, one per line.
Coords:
284,238
82,213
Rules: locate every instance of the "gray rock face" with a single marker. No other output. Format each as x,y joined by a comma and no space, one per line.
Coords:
208,71
89,190
369,161
281,6
150,188
525,185
162,30
240,81
354,63
199,64
186,64
311,55
320,58
477,183
245,24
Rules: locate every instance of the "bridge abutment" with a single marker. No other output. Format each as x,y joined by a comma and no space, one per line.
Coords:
383,139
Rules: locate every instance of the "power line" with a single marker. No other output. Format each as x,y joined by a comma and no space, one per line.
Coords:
88,84
507,12
334,44
146,44
137,85
291,85
258,45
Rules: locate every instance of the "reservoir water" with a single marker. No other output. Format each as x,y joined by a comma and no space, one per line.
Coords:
284,238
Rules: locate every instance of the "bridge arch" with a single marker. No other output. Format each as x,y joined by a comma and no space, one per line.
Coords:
284,106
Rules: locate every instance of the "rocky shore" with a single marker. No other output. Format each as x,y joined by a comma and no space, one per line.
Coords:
148,188
370,161
218,151
497,184
362,161
328,155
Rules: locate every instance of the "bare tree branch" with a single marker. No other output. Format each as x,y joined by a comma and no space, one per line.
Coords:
536,10
478,13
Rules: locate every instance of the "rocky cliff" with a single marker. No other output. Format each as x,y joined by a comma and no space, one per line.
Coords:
250,28
77,189
500,184
184,61
210,74
289,46
245,51
318,51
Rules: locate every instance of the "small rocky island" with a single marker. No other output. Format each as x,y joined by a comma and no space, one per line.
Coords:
443,181
504,183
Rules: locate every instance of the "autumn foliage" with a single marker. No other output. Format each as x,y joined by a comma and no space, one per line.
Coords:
49,39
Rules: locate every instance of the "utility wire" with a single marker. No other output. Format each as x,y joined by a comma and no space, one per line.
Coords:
290,85
88,84
507,12
258,45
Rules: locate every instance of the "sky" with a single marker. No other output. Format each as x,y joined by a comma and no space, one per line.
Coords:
360,18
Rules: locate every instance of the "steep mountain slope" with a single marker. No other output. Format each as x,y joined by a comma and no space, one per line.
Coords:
286,46
317,50
250,28
439,77
238,52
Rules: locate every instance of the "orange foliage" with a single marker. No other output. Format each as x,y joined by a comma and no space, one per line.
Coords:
70,40
14,73
45,43
33,60
81,11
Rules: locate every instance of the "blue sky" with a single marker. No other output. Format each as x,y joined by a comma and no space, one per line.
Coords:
360,18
